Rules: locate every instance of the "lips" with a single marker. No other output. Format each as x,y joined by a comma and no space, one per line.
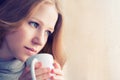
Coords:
31,50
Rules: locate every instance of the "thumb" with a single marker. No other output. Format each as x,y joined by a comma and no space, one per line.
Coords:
38,65
25,72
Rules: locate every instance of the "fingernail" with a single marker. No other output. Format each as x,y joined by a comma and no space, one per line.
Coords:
52,71
38,65
52,77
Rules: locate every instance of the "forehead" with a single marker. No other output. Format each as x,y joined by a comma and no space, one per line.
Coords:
45,12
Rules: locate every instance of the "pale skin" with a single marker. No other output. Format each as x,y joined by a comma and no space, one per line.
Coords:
29,39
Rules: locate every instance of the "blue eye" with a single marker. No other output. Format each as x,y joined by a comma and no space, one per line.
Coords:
33,24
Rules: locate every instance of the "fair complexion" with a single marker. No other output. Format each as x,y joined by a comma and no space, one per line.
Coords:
32,34
29,39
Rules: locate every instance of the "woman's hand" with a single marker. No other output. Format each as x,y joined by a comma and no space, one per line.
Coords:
57,72
43,73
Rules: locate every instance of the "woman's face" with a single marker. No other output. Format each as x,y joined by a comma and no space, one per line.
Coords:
32,35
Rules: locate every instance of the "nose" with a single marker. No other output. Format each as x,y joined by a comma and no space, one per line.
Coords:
39,39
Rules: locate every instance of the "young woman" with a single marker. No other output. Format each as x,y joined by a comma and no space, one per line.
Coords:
29,27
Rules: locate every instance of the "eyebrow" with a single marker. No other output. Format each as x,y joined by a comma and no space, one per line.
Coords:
41,23
37,20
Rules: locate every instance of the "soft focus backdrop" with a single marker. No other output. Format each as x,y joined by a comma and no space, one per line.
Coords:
92,39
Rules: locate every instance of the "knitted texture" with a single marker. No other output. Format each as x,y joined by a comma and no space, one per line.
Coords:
11,70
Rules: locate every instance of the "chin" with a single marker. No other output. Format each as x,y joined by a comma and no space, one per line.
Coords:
23,59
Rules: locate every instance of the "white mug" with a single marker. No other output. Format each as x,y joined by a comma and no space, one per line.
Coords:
46,60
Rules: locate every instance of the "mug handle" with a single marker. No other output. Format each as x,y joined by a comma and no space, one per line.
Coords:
35,60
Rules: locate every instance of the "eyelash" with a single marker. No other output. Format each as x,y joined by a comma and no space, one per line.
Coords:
33,24
36,25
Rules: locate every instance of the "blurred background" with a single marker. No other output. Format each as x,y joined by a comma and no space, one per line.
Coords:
92,39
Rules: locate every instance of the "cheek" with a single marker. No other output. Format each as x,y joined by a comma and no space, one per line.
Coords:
21,33
14,36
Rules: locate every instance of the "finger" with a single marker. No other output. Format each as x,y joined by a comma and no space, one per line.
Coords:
45,76
26,74
38,65
57,69
25,71
57,77
41,71
27,77
57,72
56,65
